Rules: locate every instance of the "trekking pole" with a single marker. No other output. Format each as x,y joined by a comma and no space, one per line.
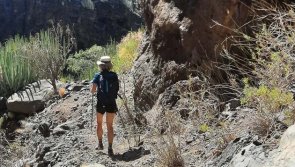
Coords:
91,121
124,126
135,128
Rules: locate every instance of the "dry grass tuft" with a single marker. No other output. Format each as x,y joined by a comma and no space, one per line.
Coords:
168,149
169,153
262,124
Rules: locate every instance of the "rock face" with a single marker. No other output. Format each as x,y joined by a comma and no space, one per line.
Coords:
109,18
257,155
182,36
250,156
32,99
285,156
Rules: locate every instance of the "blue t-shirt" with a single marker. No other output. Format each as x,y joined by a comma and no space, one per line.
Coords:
96,78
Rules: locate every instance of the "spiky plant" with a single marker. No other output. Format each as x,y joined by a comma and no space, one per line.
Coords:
15,68
88,4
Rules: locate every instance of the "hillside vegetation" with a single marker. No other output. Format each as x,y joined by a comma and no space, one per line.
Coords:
82,65
180,104
25,60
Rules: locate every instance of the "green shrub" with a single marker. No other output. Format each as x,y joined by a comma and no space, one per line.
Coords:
289,117
84,60
82,65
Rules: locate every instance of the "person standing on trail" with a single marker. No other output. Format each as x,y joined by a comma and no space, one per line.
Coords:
106,85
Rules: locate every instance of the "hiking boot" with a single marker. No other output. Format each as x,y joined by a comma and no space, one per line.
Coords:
99,147
110,152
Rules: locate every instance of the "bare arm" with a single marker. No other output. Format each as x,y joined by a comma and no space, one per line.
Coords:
93,88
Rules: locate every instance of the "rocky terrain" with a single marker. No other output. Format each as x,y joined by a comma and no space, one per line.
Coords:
168,111
94,23
61,135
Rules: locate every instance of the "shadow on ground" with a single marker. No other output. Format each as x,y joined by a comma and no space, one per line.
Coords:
131,155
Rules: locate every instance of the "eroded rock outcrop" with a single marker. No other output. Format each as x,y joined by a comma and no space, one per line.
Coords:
182,36
109,18
32,99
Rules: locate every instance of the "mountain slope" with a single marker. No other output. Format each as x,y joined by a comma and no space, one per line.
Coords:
107,19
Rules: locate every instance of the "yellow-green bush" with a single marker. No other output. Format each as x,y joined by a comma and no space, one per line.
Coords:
204,128
127,51
275,70
266,99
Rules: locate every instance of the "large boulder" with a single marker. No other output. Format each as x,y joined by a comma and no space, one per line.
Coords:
250,156
231,151
183,36
32,99
257,155
285,155
92,23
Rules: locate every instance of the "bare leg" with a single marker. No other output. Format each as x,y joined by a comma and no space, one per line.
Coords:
110,119
99,118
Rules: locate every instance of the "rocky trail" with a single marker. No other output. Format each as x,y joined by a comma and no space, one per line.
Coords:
61,135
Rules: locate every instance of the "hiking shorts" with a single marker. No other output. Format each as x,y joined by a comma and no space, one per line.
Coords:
103,108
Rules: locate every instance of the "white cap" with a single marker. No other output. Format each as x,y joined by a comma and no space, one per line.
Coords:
100,63
105,59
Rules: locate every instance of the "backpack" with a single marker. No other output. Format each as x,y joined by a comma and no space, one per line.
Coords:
107,88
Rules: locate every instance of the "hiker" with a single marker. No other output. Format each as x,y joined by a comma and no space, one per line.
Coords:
106,85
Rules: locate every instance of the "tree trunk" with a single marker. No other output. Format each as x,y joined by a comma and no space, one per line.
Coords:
53,83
